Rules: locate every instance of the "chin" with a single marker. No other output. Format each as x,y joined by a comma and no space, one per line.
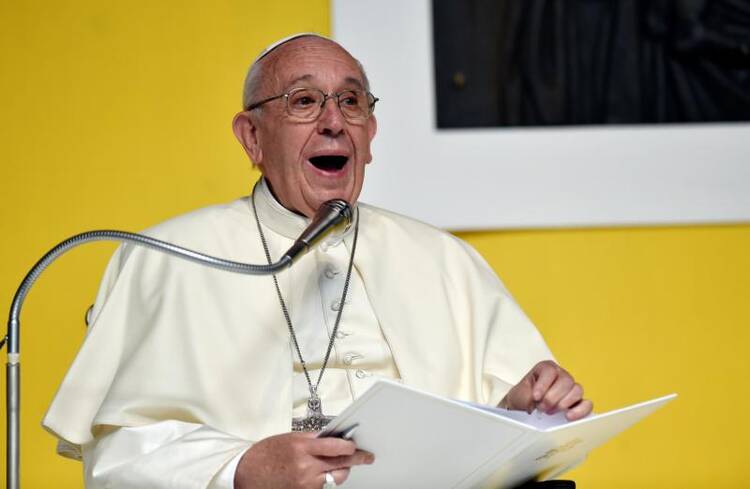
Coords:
325,194
332,177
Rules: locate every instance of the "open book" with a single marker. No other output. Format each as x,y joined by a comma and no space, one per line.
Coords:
421,440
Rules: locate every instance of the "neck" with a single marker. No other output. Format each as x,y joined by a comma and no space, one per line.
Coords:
277,199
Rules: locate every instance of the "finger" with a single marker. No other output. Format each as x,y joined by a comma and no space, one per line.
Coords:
519,398
574,396
305,434
331,447
580,410
545,374
361,457
339,475
559,389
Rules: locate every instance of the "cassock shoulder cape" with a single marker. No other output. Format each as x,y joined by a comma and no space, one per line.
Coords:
172,339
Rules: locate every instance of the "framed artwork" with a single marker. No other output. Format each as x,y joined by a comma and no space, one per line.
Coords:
468,139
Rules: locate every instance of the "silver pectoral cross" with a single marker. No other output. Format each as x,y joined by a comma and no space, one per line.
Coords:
315,419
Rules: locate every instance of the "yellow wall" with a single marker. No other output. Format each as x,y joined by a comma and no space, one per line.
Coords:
114,115
638,313
117,114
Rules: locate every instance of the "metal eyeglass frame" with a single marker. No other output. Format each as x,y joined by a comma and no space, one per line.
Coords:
372,100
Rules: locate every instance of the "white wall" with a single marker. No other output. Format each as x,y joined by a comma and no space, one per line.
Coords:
517,178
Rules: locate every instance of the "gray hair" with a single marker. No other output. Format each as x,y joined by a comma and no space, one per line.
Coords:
255,75
253,83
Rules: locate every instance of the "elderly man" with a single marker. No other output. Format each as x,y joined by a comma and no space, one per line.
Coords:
193,378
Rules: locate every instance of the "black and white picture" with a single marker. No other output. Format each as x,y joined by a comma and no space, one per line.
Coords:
580,62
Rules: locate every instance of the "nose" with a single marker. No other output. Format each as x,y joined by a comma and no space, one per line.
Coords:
331,120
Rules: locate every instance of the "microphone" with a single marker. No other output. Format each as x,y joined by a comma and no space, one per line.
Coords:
333,215
330,216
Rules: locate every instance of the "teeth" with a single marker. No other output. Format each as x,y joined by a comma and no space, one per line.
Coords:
329,162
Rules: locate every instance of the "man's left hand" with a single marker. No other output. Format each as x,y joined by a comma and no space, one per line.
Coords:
548,388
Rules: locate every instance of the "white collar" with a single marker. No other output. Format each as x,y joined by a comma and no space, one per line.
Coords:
274,215
281,220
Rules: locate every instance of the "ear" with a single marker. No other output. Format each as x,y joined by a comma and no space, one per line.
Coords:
246,132
372,129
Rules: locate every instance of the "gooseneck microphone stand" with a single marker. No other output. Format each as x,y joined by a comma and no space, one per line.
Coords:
334,214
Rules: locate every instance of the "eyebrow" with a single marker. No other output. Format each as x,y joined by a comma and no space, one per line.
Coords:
355,81
349,79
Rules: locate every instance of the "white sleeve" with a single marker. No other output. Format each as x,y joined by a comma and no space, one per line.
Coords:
165,455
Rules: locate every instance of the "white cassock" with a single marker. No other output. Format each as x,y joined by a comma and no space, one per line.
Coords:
185,366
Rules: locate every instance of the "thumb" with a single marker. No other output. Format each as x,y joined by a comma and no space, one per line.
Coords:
521,397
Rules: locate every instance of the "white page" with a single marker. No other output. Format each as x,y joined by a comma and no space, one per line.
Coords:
562,446
421,440
536,419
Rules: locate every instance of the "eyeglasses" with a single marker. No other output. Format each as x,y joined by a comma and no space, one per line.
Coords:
306,104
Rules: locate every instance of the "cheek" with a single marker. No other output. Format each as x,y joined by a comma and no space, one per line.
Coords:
282,162
367,154
362,146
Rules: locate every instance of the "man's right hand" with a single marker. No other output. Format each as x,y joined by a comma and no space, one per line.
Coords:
297,461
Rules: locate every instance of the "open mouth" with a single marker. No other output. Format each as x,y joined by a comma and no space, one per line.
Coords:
329,163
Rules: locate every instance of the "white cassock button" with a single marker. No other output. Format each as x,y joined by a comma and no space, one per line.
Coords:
361,374
330,272
350,357
340,335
